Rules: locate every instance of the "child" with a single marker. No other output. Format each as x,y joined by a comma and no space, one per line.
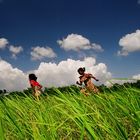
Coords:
86,78
35,85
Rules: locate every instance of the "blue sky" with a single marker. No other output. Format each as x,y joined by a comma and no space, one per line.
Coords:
31,23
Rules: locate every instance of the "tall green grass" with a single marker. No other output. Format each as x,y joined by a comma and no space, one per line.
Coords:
70,115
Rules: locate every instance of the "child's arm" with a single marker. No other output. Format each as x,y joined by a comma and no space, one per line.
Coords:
93,77
82,79
34,83
40,86
79,83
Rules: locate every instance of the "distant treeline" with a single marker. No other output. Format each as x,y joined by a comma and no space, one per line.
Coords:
117,87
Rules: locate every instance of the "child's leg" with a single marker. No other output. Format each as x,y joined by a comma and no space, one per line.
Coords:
37,93
83,90
96,90
93,88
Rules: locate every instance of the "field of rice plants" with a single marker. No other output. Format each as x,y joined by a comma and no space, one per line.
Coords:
69,115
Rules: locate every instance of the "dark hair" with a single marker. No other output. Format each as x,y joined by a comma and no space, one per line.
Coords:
32,77
81,69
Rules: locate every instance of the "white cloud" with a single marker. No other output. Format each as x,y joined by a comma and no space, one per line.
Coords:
3,43
77,42
15,50
39,53
51,74
137,77
130,43
11,78
65,72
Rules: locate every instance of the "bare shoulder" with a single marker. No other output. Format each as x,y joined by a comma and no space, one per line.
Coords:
88,75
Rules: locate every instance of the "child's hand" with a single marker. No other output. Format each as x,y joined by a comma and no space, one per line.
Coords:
77,82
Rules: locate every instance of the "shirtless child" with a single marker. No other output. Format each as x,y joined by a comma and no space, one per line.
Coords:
86,78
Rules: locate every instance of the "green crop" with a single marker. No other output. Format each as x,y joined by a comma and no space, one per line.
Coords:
69,115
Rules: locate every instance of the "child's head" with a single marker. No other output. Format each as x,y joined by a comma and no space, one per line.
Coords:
32,77
81,71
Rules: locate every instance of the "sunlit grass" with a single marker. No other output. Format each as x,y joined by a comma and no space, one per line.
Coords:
70,115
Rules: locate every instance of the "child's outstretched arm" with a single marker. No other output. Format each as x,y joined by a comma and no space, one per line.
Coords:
94,77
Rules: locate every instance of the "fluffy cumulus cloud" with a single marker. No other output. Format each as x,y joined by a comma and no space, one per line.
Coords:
137,77
51,74
12,79
39,53
130,43
3,43
15,50
65,72
77,42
